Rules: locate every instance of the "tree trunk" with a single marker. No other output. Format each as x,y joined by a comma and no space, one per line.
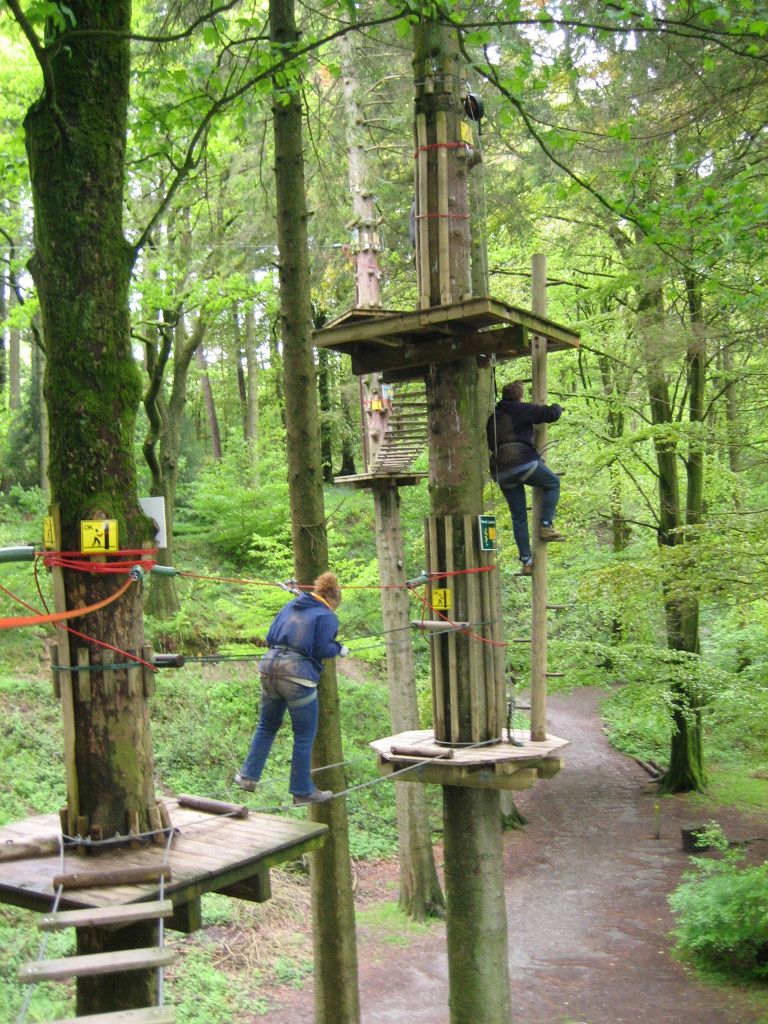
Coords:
476,912
337,998
5,292
685,768
14,369
420,893
324,386
38,398
210,405
81,266
252,394
347,467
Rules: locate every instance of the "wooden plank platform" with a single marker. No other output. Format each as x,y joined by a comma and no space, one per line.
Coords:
209,854
393,342
500,766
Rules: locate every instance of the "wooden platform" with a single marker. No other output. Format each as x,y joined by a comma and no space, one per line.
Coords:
501,766
398,343
226,855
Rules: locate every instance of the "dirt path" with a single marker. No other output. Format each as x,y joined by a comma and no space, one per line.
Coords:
586,900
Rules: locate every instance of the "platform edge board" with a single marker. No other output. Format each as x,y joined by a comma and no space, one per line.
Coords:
146,1015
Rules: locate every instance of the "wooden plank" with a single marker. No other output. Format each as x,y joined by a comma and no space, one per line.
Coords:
438,680
96,963
65,680
84,675
108,674
422,209
479,717
135,677
453,670
148,1015
421,350
488,614
19,850
97,917
124,876
443,223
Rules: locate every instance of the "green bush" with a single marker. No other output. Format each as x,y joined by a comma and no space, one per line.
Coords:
722,911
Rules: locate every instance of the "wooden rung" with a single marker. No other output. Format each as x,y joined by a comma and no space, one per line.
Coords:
113,876
96,963
148,1015
97,917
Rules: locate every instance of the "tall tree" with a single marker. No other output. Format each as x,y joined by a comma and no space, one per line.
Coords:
337,998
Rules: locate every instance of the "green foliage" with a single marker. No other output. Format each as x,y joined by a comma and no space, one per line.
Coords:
20,943
393,925
722,911
206,995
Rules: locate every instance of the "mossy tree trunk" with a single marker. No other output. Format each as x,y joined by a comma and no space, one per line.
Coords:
685,772
476,910
336,988
75,138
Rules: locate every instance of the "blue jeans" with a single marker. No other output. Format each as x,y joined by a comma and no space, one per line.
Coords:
277,694
513,489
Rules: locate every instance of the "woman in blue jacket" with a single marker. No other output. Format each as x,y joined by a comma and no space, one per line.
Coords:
302,634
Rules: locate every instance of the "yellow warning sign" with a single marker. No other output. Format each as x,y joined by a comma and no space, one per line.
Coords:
98,535
49,533
441,599
465,131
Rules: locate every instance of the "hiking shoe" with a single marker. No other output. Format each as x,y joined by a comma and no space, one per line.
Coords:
249,785
526,569
549,534
317,796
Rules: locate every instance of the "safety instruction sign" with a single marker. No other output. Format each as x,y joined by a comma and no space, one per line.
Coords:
49,533
441,599
98,536
487,532
466,132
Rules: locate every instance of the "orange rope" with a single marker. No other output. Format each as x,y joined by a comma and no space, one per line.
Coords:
73,613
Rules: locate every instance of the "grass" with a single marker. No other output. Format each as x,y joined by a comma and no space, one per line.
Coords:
392,925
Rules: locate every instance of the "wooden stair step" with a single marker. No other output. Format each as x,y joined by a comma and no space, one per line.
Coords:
148,1015
96,963
97,917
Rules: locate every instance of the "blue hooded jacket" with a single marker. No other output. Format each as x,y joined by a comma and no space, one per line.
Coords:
302,634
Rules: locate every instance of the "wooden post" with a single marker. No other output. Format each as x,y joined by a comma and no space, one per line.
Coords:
539,582
65,683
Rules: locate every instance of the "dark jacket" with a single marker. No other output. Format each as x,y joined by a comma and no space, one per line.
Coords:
510,439
302,633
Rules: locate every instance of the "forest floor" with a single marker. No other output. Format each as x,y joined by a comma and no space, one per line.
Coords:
586,899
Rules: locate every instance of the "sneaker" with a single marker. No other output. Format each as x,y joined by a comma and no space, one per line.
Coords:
549,534
317,796
526,569
249,785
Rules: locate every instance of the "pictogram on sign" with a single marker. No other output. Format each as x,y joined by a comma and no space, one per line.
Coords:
98,536
49,533
441,599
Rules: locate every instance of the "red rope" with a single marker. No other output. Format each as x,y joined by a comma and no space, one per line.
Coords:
75,632
438,145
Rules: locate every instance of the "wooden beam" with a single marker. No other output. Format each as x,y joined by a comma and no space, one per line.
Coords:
187,916
504,344
256,889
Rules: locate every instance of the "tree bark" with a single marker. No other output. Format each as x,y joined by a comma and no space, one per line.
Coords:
324,386
81,266
337,998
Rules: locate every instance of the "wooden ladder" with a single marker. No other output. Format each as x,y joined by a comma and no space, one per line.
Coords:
151,958
406,434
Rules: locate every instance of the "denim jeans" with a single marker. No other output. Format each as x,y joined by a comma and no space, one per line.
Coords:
277,694
513,490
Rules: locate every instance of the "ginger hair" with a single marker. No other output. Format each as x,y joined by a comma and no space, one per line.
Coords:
327,586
